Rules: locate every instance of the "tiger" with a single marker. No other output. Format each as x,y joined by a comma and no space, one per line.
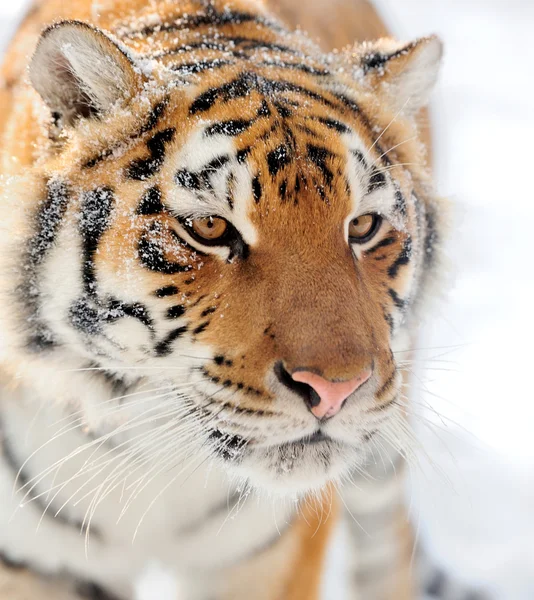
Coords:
220,233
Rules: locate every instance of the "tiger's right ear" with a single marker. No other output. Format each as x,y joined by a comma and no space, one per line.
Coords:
402,75
79,71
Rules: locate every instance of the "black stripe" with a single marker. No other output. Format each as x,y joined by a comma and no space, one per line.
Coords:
117,385
256,188
227,45
319,155
86,318
241,155
232,128
282,190
208,311
187,48
377,180
152,255
254,44
247,82
382,244
240,87
211,17
360,158
201,328
200,66
400,203
94,220
386,386
9,563
217,163
402,259
230,185
333,124
263,110
175,312
284,111
117,309
354,108
188,179
164,348
151,122
296,67
143,168
277,159
168,290
286,86
397,300
48,218
350,104
201,180
151,203
310,132
93,591
89,319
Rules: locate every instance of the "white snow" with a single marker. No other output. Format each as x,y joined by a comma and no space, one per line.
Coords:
480,524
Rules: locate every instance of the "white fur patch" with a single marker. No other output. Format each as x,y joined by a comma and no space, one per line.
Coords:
157,583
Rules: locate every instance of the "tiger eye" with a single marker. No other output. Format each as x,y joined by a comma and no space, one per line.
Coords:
362,227
209,228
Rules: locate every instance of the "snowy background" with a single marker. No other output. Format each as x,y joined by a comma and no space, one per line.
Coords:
477,514
475,504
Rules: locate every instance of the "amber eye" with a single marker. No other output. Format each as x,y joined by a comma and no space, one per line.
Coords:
362,229
216,231
209,229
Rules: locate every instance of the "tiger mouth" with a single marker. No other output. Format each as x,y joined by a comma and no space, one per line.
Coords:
230,446
309,440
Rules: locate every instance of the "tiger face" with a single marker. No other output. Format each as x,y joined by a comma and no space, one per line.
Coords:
249,237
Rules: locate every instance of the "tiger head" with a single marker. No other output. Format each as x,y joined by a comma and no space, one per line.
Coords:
251,235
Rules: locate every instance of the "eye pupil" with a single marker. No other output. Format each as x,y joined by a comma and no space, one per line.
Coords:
363,228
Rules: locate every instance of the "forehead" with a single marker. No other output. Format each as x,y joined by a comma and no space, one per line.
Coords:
262,153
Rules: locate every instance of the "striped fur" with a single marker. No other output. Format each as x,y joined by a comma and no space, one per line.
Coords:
145,364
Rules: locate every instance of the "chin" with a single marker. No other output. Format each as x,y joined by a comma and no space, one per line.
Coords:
298,469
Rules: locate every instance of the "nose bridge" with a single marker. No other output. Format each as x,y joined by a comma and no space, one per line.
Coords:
321,315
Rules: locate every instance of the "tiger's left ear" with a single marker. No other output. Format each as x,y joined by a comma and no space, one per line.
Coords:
402,74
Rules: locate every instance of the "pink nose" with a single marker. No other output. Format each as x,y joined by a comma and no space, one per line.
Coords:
332,394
